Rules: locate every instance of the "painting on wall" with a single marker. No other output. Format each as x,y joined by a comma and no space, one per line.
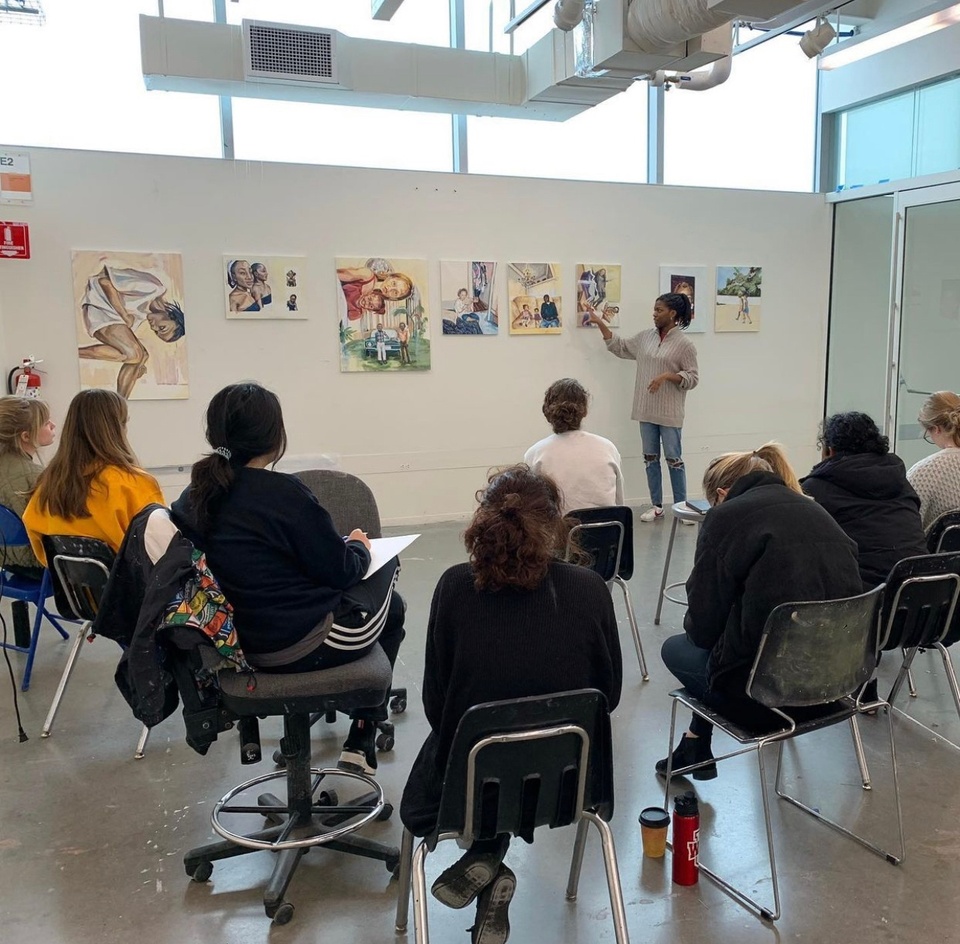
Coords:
470,298
257,287
692,281
738,298
382,306
130,323
598,287
535,303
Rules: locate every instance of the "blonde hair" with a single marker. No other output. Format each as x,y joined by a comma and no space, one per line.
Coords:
942,409
20,415
725,470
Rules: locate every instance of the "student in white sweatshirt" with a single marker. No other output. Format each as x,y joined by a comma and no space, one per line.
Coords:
584,465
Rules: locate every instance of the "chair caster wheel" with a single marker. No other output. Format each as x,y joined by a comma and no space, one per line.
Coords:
385,742
281,913
398,705
279,759
385,813
328,798
202,871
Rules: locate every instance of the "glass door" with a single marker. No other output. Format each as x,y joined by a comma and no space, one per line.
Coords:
927,356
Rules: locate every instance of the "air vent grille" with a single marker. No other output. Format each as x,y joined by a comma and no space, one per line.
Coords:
288,52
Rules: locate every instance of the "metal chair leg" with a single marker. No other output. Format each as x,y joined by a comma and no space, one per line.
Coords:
634,629
64,678
403,882
666,569
142,743
613,876
421,930
911,685
861,757
951,674
576,863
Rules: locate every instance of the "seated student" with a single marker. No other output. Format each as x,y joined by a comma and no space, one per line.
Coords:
515,621
584,465
277,556
92,487
937,478
25,426
864,487
762,543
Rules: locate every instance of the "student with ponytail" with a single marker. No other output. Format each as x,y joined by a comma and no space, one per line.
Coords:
666,370
277,556
93,487
936,479
25,426
762,543
513,622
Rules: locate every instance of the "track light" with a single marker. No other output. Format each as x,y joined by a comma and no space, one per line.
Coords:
814,41
567,14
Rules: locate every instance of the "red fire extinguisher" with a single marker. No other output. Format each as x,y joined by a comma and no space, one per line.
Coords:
24,381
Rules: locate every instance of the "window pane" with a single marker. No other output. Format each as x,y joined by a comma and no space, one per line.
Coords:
417,21
607,142
756,131
81,86
938,130
309,133
876,141
483,22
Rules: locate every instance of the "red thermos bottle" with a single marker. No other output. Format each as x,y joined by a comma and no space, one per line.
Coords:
686,839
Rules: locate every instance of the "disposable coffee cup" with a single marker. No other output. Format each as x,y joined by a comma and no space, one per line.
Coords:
654,821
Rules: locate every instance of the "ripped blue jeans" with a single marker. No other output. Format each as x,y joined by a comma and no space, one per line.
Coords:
651,436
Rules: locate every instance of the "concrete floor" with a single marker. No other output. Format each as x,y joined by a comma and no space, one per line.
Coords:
91,840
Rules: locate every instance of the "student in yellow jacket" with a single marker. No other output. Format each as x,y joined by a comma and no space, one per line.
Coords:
92,487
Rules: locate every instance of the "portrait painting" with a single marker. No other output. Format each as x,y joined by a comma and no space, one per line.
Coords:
264,287
382,311
535,302
689,280
470,302
131,323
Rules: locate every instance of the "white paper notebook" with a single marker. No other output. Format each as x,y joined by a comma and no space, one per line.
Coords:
383,550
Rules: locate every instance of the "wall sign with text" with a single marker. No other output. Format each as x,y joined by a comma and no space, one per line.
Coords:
14,240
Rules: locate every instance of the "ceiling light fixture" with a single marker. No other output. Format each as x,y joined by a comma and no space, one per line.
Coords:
814,41
856,49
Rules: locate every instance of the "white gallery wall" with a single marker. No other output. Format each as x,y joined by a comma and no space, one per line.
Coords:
425,441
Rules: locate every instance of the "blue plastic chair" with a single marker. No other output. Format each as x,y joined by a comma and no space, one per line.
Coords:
32,591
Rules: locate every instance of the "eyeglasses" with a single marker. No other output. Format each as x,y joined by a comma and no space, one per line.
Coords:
927,438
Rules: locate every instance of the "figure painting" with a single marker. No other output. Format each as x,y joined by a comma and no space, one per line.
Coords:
535,303
130,323
257,287
598,288
470,298
738,298
382,307
689,280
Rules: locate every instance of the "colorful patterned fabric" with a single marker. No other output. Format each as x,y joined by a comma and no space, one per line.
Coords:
201,605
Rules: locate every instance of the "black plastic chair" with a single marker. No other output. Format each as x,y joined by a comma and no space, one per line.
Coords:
814,657
80,569
944,533
921,610
311,815
515,766
606,536
26,590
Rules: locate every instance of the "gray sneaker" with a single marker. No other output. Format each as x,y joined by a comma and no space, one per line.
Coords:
493,920
459,884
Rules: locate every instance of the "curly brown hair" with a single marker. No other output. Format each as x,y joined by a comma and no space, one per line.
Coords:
565,404
517,531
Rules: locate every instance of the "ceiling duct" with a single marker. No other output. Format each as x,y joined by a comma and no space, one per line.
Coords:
278,52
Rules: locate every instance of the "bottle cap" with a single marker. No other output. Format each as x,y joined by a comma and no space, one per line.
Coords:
685,804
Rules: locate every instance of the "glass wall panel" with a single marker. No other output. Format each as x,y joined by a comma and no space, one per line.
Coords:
877,141
938,127
857,355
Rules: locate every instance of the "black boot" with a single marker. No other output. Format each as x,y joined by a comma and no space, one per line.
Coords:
690,751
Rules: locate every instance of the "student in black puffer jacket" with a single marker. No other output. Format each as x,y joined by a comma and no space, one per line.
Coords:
762,543
864,487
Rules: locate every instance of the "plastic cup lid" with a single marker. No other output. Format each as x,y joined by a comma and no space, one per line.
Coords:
654,816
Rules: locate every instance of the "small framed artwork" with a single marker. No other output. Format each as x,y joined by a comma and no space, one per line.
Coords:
694,282
739,290
598,287
264,287
535,302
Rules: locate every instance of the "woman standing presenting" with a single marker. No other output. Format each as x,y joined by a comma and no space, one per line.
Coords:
666,370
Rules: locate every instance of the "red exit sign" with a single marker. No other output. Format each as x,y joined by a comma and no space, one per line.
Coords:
14,240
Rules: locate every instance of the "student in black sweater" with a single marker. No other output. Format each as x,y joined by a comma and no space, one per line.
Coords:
762,543
276,554
514,622
864,487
